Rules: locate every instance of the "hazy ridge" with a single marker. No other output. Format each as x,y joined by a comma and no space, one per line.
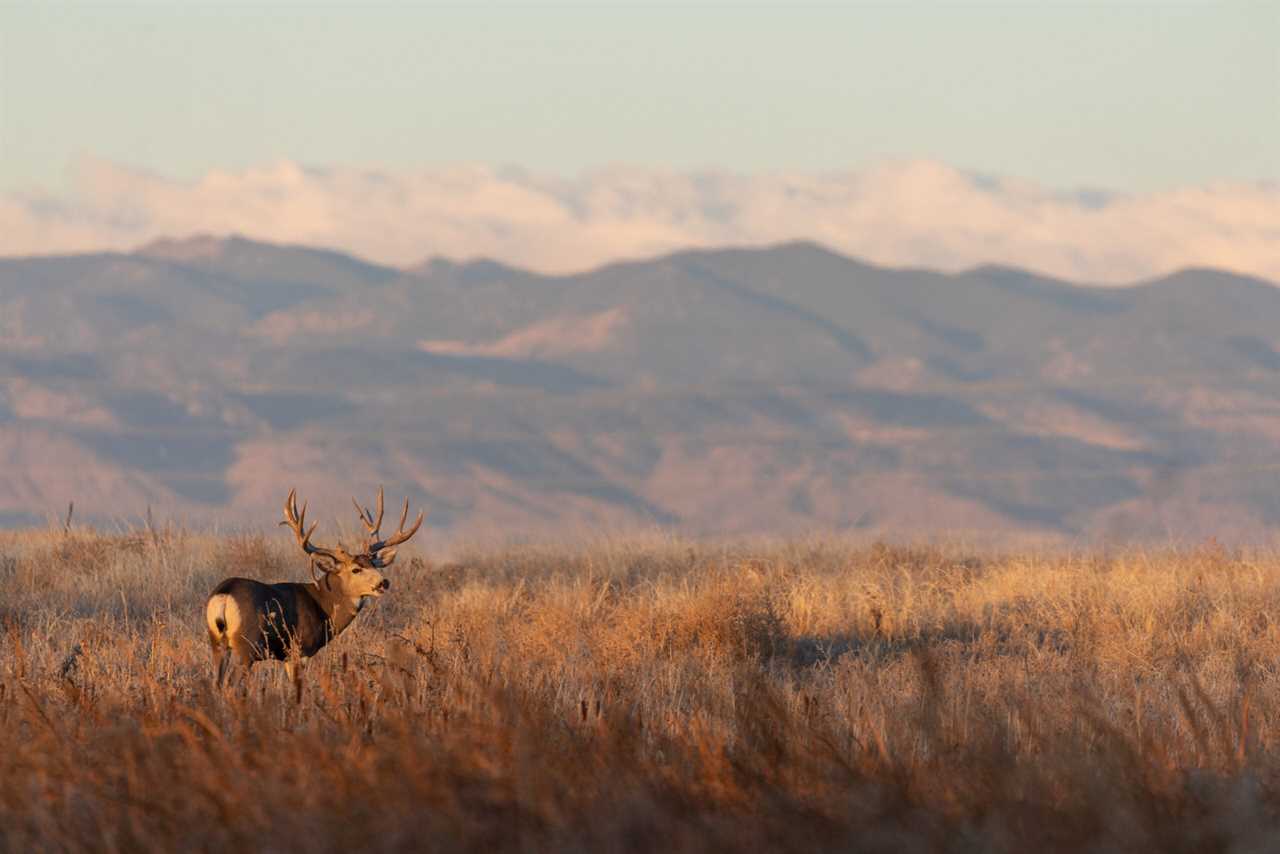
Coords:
757,391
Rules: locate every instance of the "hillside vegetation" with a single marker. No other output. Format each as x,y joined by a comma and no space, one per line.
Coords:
807,695
719,393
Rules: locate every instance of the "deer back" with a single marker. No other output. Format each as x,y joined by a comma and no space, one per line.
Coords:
271,618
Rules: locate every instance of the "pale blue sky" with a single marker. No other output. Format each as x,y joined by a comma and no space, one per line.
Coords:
1128,97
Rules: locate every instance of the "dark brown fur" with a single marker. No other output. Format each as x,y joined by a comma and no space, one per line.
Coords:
288,621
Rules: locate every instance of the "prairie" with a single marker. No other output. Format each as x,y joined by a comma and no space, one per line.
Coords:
649,694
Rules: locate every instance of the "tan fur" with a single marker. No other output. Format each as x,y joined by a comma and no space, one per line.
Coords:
222,608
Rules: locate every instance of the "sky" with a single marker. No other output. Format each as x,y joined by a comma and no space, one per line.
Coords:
117,118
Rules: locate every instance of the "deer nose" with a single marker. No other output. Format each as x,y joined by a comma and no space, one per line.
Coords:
385,585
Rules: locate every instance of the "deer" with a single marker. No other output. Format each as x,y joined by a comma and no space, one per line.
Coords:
250,621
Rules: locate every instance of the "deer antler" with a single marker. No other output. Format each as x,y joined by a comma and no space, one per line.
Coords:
297,519
382,551
371,524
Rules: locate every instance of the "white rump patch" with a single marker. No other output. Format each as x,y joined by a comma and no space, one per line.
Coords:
222,607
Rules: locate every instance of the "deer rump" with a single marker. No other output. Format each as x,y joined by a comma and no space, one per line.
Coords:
280,618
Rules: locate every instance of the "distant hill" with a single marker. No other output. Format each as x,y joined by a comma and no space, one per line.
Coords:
762,391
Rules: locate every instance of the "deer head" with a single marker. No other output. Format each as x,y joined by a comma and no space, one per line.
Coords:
343,574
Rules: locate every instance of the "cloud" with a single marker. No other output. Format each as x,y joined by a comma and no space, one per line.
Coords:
914,213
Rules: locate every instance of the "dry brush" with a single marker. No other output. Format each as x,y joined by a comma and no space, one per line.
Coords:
650,694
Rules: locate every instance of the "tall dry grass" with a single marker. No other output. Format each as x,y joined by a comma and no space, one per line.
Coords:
650,695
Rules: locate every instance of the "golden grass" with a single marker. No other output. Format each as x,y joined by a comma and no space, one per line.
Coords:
650,695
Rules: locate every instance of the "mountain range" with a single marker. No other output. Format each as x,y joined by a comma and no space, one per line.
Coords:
775,391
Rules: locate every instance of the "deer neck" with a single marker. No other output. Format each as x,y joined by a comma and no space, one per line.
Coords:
340,610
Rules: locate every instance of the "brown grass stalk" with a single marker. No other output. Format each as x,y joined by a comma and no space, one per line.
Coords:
649,695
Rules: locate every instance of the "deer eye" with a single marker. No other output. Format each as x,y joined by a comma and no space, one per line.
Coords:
356,569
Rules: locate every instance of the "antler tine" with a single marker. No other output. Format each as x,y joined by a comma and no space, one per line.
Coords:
362,512
371,525
296,519
403,516
400,536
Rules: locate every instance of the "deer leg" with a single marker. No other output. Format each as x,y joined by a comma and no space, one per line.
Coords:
221,658
224,663
293,665
236,661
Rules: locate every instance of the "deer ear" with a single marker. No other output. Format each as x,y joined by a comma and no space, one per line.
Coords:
384,558
327,566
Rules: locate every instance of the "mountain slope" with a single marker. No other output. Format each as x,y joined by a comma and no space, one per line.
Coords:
731,391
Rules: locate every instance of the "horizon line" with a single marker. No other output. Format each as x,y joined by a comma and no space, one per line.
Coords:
418,268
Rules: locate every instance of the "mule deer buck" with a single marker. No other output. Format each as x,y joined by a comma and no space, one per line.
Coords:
290,621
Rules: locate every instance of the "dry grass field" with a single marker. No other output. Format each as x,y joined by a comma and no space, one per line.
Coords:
649,695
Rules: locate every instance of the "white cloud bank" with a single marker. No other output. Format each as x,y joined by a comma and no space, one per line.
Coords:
916,213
